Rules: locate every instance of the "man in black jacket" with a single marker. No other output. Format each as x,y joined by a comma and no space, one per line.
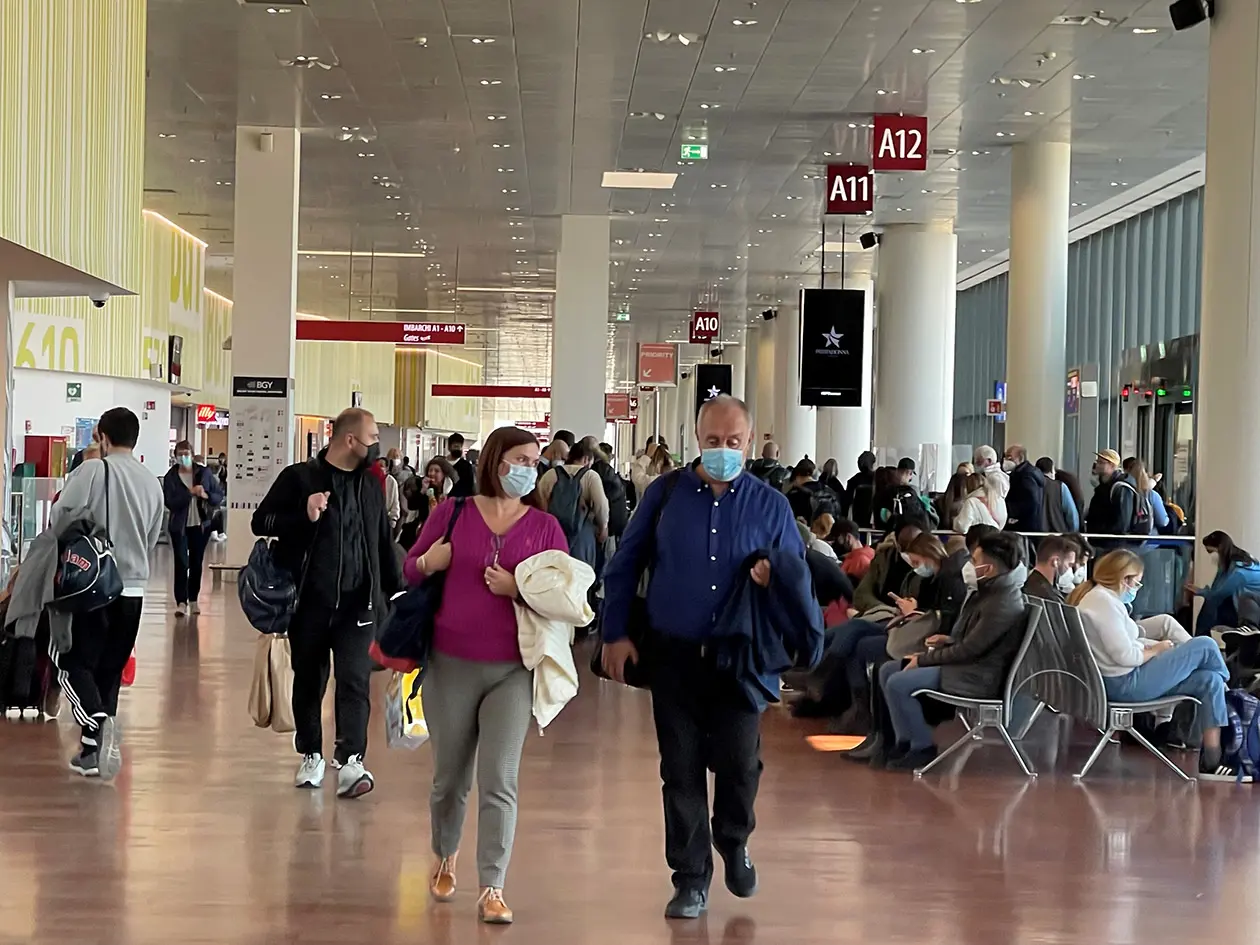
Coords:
1111,508
1025,503
466,484
328,516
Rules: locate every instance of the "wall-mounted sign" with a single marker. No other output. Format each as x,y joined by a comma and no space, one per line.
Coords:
74,392
206,413
490,390
356,398
900,143
712,380
658,365
1072,402
617,407
175,357
244,386
995,407
850,188
398,333
704,327
694,152
833,334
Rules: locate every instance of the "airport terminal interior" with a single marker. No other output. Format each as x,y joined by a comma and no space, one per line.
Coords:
947,236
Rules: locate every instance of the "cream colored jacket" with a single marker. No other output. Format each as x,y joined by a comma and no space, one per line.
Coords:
553,587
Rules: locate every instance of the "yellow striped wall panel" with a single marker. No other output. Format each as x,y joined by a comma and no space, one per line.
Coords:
171,297
216,328
326,372
416,370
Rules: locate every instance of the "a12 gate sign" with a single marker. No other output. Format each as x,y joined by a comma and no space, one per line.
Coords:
900,143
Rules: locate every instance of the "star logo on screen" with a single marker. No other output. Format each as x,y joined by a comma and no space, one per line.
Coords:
713,392
832,339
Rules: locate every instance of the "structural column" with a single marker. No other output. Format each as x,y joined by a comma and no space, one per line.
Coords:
1226,443
795,426
737,356
765,384
579,338
916,287
844,433
264,294
1036,325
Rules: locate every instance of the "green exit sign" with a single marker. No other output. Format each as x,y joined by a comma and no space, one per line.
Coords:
695,152
621,316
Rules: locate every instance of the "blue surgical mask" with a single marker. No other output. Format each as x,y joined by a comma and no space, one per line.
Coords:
722,463
185,461
924,570
519,481
1128,594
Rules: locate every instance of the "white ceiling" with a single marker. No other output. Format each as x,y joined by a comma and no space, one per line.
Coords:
566,82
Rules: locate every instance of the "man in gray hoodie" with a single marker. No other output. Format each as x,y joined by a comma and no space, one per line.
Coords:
90,671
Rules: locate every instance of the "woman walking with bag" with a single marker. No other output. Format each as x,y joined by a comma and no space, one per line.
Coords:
478,696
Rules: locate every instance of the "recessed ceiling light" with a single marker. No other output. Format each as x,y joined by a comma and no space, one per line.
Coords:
659,116
1000,134
926,191
707,105
508,190
881,92
510,223
743,22
903,209
717,186
330,97
482,40
278,11
1084,75
392,197
196,160
777,216
1077,203
645,180
723,68
507,170
500,145
1143,32
1028,114
512,209
790,197
491,82
163,134
367,154
919,51
496,118
223,183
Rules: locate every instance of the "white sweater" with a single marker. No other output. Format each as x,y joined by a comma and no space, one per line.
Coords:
1119,643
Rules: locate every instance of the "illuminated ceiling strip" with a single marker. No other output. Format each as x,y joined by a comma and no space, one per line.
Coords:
360,252
413,311
175,226
505,290
221,298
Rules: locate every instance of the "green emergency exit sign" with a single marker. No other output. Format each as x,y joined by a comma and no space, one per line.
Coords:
621,316
695,152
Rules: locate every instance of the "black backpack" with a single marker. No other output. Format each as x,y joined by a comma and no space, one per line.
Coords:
87,577
566,502
615,490
1143,521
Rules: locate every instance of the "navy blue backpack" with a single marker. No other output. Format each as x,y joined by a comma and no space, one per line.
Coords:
1241,745
267,591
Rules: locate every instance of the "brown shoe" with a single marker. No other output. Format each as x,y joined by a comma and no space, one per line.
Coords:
442,885
492,909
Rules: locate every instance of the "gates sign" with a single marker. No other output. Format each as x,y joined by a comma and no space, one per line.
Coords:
704,327
900,143
850,189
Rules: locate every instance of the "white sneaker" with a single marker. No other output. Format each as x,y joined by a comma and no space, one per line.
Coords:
310,773
180,608
354,780
194,608
218,536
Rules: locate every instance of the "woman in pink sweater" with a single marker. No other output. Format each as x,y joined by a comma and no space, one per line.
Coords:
478,696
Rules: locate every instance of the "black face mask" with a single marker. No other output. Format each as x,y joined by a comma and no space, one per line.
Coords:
373,453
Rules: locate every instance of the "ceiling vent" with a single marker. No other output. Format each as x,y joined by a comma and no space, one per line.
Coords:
1089,19
308,62
1022,81
683,39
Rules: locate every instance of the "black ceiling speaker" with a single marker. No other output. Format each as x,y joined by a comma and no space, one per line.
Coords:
769,314
868,240
1188,13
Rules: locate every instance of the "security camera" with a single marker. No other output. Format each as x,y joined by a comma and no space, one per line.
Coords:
686,374
99,298
715,352
769,314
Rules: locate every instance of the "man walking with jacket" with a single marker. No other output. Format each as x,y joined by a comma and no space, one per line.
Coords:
695,530
328,515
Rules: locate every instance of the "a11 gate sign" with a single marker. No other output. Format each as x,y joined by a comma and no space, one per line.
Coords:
704,327
900,143
850,188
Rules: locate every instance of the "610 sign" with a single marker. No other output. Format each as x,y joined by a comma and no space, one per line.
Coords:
850,188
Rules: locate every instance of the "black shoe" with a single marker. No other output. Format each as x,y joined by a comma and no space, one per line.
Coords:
741,875
856,720
687,904
917,758
86,763
865,751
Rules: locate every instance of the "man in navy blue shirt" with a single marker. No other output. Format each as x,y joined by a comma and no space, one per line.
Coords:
706,521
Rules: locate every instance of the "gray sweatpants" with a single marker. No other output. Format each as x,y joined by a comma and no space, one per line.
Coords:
481,710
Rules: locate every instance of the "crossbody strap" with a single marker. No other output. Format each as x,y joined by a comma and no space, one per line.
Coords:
450,525
671,483
107,536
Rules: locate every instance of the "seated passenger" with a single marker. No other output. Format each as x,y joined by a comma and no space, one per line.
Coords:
1153,659
972,661
1236,570
855,557
819,530
975,508
1054,577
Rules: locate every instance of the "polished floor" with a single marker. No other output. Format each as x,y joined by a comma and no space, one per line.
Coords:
203,840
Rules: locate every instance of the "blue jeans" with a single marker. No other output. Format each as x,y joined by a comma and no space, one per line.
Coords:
1194,669
906,711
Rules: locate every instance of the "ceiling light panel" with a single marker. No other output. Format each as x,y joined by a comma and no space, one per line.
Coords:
640,180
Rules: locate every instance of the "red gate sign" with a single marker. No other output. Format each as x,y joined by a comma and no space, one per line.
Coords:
518,392
399,333
704,327
205,413
900,143
850,188
658,365
617,407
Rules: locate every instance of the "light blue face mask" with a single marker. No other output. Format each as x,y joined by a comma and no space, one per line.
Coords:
722,463
1128,595
519,481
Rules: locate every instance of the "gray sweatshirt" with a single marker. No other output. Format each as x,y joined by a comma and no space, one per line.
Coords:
135,511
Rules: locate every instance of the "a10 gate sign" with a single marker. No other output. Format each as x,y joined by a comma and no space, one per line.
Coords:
704,327
900,143
850,188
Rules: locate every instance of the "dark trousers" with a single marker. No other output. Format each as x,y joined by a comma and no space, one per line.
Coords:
700,728
190,554
90,672
345,633
872,649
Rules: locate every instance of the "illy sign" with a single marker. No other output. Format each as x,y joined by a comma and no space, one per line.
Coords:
850,188
900,143
704,327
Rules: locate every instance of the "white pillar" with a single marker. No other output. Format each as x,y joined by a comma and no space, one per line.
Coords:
737,356
1226,442
916,285
684,417
844,433
264,295
579,338
765,383
1036,324
795,426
